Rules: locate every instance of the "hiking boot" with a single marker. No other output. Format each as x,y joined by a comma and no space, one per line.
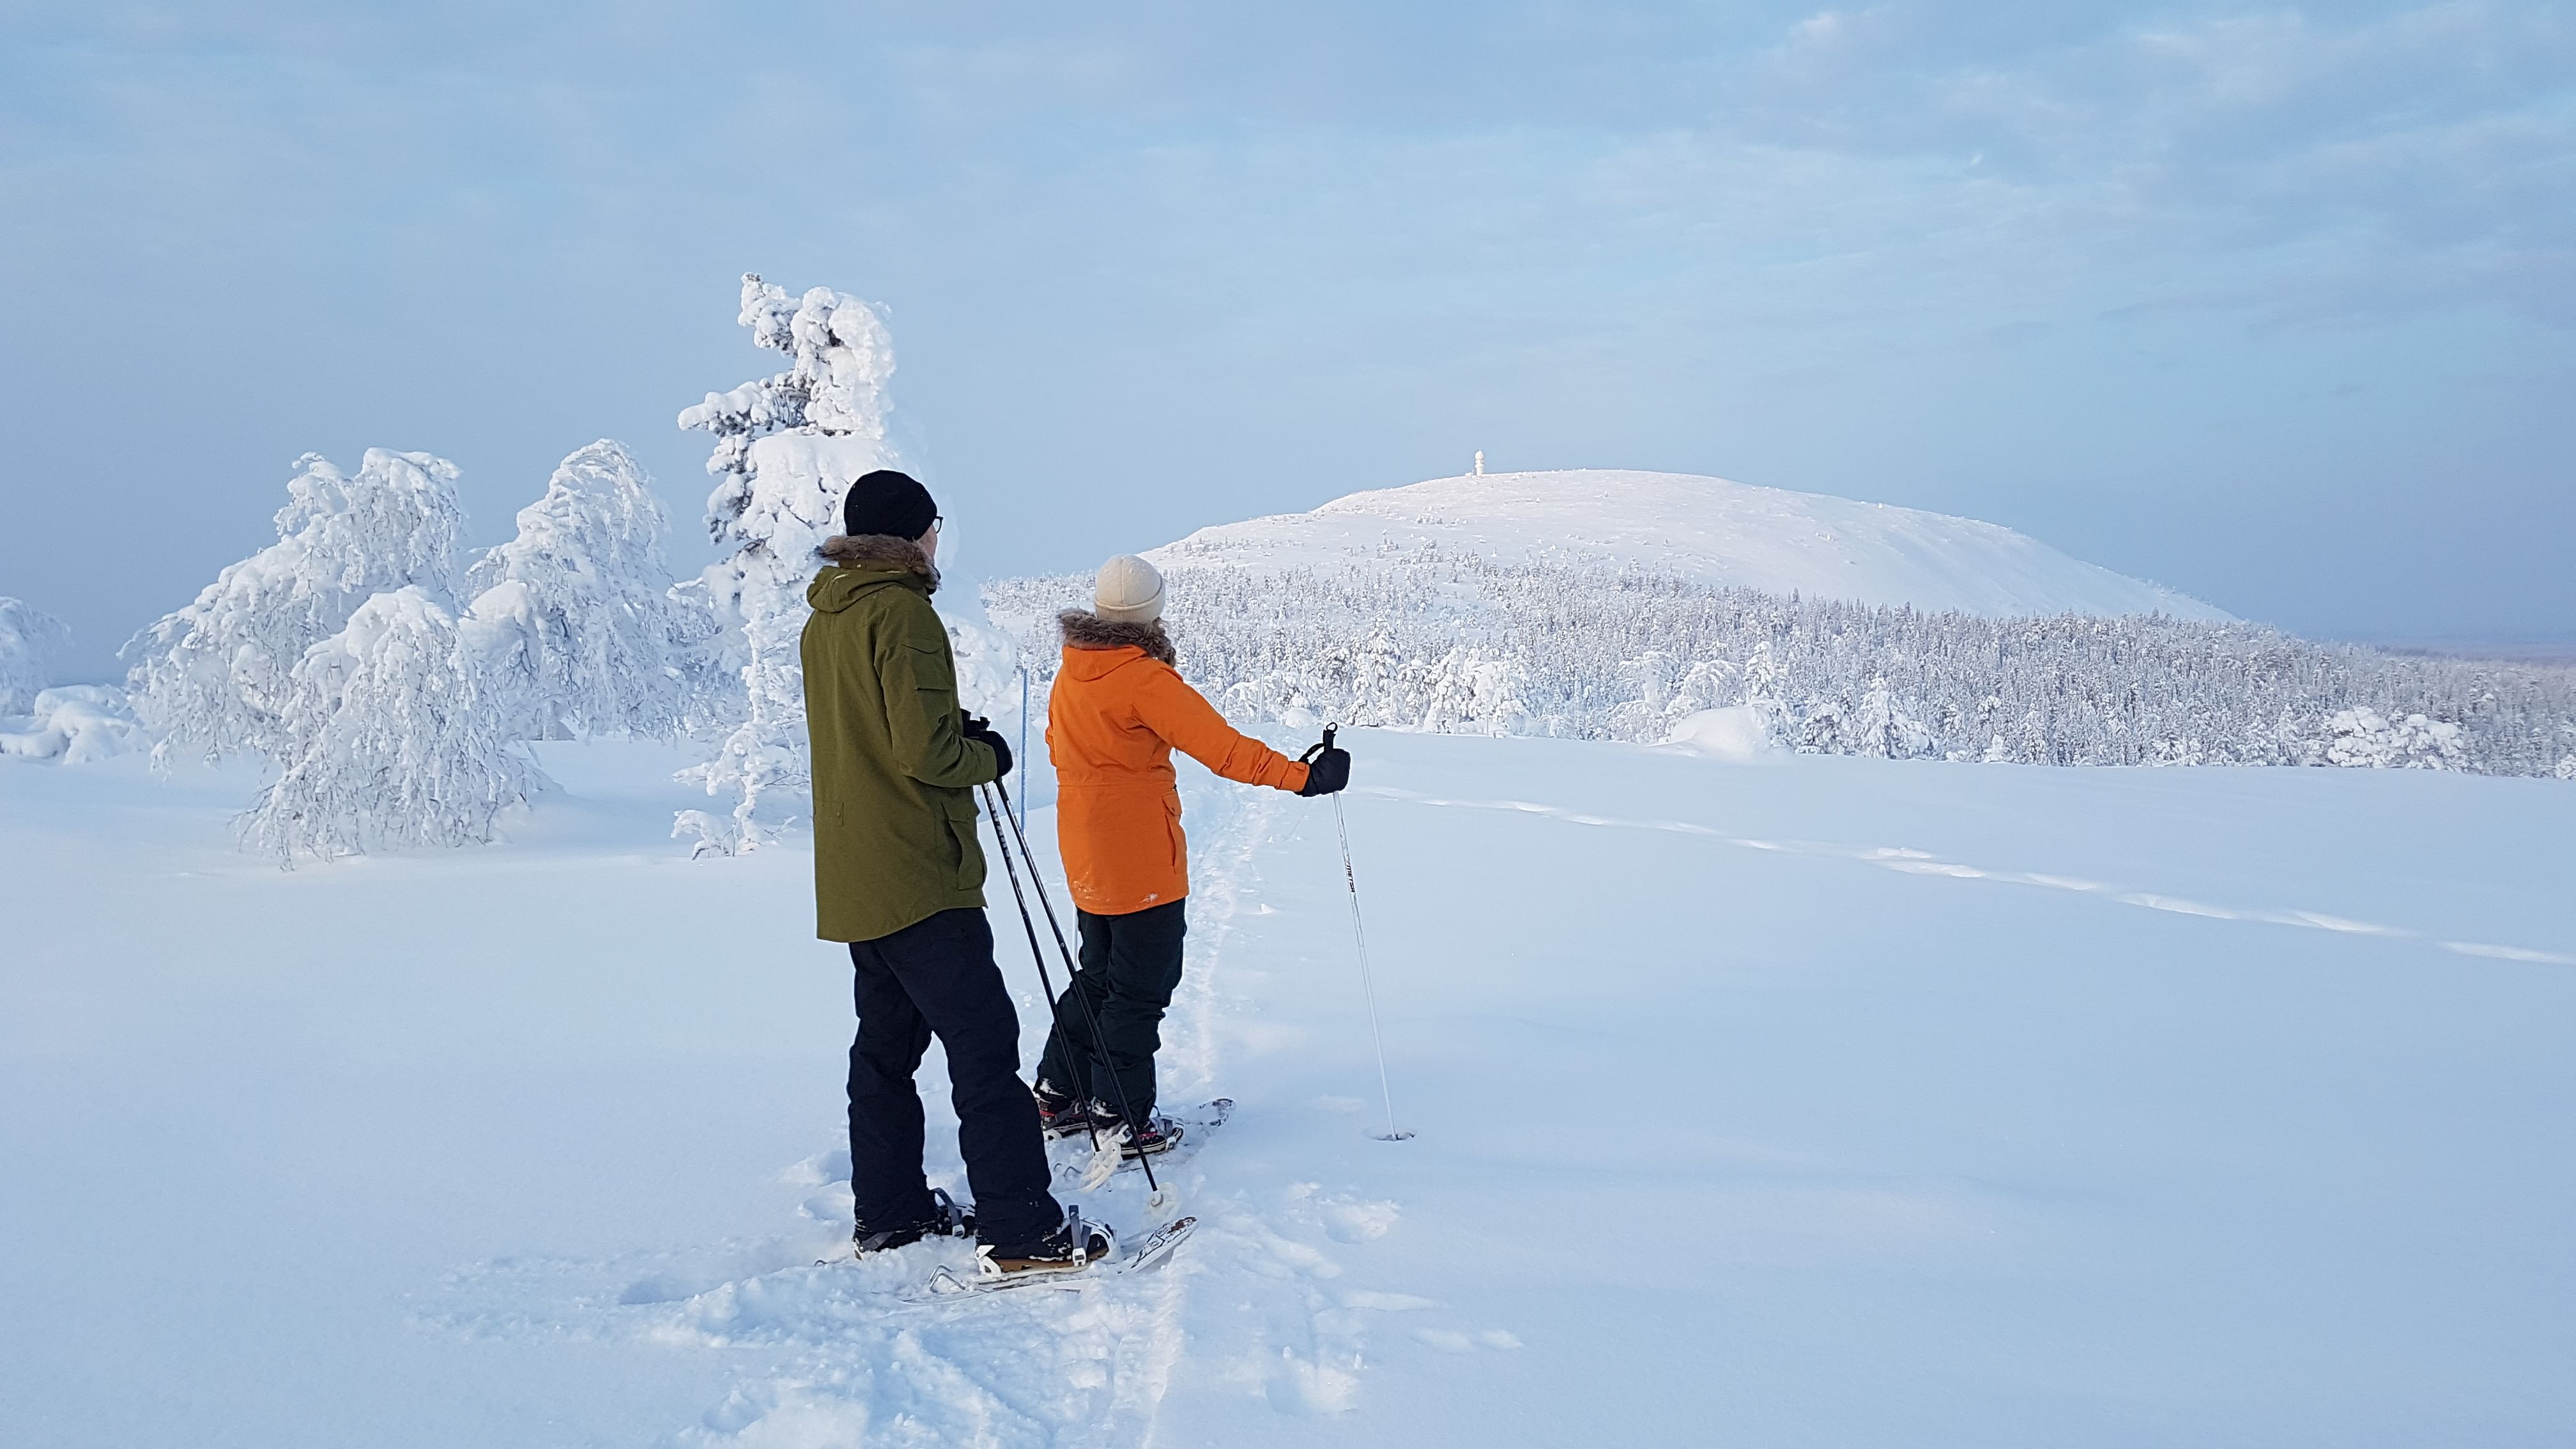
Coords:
948,1220
1072,1247
1159,1134
1059,1115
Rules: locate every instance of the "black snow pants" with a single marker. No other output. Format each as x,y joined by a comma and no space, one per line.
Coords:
1130,966
937,976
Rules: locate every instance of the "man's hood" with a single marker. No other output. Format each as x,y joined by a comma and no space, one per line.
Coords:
862,563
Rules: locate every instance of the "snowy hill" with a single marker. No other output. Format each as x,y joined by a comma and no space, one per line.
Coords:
1710,529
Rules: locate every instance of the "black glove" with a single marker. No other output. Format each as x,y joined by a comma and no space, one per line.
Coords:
1328,767
980,729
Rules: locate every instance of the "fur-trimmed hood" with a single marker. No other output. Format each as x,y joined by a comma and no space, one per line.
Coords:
1084,629
860,550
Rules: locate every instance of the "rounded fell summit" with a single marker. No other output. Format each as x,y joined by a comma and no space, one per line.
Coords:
1710,529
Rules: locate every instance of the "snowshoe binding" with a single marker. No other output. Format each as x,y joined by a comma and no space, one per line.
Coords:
1158,1134
1119,1259
947,1220
1060,1115
1076,1245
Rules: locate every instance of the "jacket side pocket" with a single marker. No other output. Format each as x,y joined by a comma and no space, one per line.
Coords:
960,811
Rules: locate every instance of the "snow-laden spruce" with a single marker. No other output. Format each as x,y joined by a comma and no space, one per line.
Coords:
29,640
1447,641
393,733
787,449
574,615
217,676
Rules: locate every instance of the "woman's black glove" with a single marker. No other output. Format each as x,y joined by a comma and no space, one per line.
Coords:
1328,766
980,729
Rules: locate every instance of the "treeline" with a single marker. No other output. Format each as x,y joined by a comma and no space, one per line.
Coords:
1442,641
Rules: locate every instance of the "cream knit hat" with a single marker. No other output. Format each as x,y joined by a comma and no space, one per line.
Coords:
1129,591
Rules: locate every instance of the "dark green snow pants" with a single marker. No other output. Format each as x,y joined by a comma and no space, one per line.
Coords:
1131,964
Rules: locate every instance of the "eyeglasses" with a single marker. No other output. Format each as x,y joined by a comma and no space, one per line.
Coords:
935,521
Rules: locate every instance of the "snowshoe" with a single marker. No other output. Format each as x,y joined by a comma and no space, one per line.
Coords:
1076,1245
1178,1135
948,1220
1154,1250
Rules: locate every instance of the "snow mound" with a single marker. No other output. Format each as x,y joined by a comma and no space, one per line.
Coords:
73,723
1735,732
1704,528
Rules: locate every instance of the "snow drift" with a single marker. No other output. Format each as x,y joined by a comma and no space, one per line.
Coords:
71,723
1706,529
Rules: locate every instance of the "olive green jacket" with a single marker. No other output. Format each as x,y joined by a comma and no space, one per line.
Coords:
894,778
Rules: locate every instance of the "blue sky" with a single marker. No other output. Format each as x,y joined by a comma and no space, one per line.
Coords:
2274,305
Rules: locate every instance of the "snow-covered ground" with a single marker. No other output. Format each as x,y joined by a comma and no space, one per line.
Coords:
1800,1101
1707,529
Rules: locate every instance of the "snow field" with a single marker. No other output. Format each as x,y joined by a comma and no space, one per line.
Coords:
1820,1100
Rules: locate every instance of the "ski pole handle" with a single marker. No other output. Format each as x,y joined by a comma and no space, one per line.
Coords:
1312,751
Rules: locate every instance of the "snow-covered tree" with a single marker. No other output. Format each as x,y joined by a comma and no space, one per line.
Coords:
1881,729
787,449
1473,694
2363,738
1764,681
216,676
29,640
387,733
573,618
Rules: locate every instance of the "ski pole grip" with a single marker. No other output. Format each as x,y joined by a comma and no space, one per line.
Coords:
1328,735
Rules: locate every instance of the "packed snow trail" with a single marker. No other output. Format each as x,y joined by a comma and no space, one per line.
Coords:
1918,862
867,1351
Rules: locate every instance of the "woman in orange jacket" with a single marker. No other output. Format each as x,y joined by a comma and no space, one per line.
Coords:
1118,711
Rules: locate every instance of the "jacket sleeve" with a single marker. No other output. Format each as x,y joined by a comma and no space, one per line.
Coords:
920,682
1184,719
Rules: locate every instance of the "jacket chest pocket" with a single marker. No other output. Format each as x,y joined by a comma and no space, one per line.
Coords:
934,671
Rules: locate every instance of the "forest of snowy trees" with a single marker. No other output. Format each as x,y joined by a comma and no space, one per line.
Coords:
1442,641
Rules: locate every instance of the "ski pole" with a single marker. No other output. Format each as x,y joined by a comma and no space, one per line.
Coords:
1073,989
1368,983
1055,1008
1021,760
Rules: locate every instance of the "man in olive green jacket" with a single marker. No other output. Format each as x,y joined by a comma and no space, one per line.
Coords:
898,875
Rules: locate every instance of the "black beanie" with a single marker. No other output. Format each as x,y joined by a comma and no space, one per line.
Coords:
886,501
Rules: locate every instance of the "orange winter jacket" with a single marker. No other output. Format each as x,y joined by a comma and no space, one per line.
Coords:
1112,724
